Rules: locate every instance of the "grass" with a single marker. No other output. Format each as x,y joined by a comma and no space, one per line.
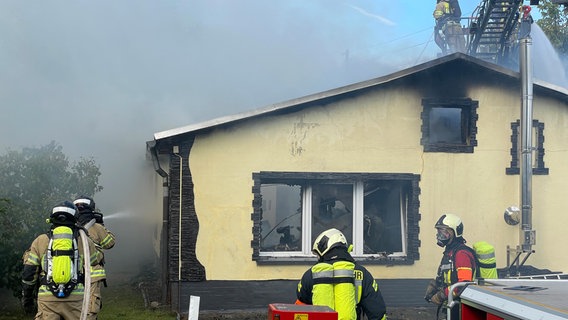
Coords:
126,302
120,301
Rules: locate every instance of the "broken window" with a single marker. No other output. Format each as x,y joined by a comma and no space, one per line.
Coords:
537,144
449,125
378,214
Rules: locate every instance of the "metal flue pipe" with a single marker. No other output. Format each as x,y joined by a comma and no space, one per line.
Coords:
527,235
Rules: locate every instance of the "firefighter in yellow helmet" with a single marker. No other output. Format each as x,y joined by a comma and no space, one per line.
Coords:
458,261
338,282
56,273
92,221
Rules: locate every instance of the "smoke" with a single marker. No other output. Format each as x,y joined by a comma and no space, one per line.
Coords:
100,77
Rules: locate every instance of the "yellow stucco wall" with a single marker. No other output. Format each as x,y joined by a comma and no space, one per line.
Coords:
380,132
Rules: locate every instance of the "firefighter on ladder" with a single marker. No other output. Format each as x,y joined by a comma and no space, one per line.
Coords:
448,33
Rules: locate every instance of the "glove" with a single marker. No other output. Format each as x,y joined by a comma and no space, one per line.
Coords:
85,217
430,290
439,298
99,217
28,300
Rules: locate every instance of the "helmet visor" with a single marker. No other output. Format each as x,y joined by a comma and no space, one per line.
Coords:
443,234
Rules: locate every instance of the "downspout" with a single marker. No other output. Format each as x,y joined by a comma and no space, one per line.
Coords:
151,146
176,152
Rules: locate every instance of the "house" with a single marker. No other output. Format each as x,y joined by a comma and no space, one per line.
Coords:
381,160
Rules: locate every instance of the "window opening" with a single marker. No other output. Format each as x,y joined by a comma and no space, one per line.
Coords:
449,125
374,211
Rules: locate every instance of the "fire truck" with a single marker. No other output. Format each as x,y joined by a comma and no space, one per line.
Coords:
514,299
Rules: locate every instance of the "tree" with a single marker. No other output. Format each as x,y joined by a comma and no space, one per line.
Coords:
33,181
554,23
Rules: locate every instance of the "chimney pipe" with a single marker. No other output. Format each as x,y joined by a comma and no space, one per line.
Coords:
527,235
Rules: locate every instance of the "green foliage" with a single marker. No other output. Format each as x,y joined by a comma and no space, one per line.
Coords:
8,241
33,181
554,23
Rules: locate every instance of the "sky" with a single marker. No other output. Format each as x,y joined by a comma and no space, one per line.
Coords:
101,77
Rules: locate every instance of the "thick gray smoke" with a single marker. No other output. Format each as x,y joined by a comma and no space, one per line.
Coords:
100,77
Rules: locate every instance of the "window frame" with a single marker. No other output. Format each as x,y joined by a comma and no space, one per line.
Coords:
468,118
410,242
539,167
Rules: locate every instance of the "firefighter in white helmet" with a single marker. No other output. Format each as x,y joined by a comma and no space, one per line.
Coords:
92,221
338,282
458,262
46,262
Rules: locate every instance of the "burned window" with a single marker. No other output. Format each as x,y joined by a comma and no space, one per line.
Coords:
449,125
282,217
378,213
538,167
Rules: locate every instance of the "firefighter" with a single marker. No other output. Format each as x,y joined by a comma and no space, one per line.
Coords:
458,261
64,302
338,282
448,33
92,221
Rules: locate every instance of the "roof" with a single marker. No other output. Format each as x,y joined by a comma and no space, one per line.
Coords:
294,104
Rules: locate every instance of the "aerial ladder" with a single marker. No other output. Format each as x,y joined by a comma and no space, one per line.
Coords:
493,31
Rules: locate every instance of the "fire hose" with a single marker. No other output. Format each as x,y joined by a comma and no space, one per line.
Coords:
87,272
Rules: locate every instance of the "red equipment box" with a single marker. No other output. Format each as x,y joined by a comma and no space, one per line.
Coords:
283,311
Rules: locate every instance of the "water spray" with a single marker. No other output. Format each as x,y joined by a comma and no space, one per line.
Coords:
118,215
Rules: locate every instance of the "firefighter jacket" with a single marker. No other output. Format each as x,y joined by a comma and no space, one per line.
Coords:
457,265
442,10
369,300
104,240
35,268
